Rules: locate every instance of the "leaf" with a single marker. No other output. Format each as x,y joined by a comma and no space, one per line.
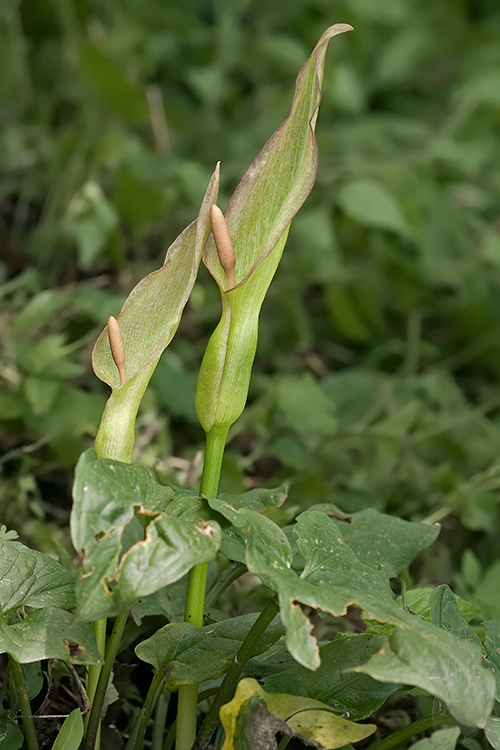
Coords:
248,717
49,633
31,578
258,217
492,644
7,536
446,614
417,601
168,601
11,736
352,695
258,501
381,540
371,204
442,739
444,665
418,653
71,732
191,654
492,731
333,579
135,536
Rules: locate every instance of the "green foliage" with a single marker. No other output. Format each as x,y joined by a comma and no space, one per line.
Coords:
350,694
71,733
135,536
194,654
375,389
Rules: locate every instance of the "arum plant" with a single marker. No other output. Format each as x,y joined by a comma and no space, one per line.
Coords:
242,255
125,356
139,540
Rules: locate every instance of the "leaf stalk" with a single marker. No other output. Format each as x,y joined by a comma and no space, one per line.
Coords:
195,594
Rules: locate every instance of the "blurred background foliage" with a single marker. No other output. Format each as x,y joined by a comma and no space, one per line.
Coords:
377,375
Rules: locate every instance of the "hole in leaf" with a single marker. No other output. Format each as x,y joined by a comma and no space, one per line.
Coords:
74,649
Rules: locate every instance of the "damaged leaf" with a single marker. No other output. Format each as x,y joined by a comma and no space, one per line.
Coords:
135,536
259,714
49,633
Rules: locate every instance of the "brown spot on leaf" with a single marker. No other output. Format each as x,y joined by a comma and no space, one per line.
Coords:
74,649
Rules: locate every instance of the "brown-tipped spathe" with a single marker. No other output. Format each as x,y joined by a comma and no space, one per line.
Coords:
223,244
117,347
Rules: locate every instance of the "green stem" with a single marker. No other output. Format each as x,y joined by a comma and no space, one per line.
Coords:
416,727
226,691
284,741
102,684
195,595
147,709
160,720
17,673
95,669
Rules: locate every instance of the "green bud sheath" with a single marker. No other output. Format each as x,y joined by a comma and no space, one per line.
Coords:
258,218
147,323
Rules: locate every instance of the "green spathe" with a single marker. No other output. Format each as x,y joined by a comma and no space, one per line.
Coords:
258,218
148,321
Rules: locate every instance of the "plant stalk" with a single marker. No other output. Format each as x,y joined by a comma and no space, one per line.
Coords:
99,627
17,673
195,595
416,727
226,691
160,720
102,684
147,709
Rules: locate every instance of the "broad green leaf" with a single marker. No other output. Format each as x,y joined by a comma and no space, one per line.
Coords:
250,719
49,633
353,695
417,601
134,535
492,644
33,579
335,578
71,733
442,739
192,654
105,492
258,217
444,665
370,203
492,731
11,736
168,601
381,540
148,321
259,500
446,614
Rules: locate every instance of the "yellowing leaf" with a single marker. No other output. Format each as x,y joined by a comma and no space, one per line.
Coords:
255,712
